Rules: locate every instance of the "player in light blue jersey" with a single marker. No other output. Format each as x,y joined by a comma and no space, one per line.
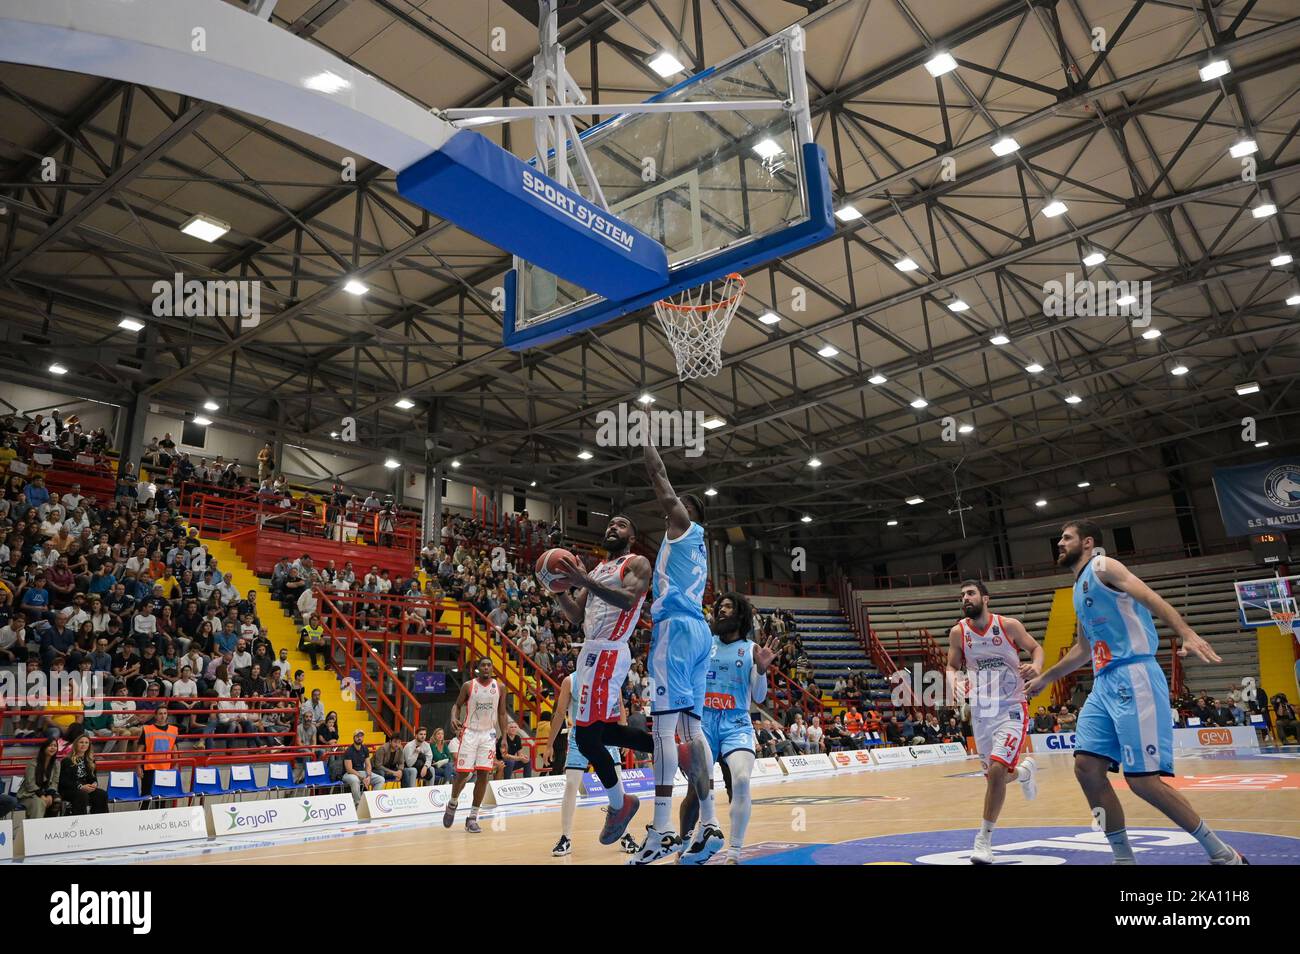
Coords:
1127,719
736,679
679,658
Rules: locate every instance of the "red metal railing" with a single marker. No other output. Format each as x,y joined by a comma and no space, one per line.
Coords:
785,694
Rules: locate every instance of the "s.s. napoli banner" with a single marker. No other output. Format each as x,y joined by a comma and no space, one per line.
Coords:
1257,497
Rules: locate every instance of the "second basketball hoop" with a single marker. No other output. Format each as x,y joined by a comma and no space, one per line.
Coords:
696,321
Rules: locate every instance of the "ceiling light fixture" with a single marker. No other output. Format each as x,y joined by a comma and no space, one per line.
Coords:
939,64
205,228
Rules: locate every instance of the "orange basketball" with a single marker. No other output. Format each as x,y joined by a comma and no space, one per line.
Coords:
548,569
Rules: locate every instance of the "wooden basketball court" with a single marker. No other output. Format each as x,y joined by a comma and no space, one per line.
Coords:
928,812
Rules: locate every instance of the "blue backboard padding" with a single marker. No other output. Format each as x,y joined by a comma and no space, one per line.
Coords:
496,196
819,225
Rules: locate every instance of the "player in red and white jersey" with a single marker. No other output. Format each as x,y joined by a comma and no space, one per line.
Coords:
608,607
483,702
988,647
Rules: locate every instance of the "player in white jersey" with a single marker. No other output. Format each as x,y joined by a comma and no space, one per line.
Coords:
608,606
1127,719
575,764
988,647
483,702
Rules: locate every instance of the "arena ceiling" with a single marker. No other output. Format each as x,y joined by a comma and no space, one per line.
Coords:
1131,138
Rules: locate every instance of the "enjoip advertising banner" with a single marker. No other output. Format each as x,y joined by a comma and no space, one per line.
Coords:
1259,497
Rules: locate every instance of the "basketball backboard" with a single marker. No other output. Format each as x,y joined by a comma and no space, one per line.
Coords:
1259,600
722,190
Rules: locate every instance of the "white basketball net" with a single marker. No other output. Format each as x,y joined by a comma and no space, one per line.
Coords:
696,321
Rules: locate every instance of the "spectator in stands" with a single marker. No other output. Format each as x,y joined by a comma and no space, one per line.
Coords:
894,731
358,774
227,590
780,741
816,737
311,714
444,758
417,760
853,726
327,732
313,640
1066,719
513,754
39,792
763,739
1044,721
798,733
79,783
232,719
1287,726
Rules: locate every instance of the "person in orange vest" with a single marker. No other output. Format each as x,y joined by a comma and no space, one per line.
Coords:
159,741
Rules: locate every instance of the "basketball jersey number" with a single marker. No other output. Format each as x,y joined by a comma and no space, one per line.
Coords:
1100,655
696,591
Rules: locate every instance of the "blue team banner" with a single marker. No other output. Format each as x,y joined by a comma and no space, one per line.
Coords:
1259,497
638,781
434,683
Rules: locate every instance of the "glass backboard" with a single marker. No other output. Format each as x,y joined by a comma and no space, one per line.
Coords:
1259,600
722,190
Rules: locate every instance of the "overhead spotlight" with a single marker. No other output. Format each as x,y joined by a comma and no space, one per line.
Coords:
211,406
455,465
334,435
919,403
1084,484
202,421
532,483
1034,368
1250,387
404,403
711,492
957,305
585,455
999,339
354,287
906,265
891,523
57,368
1125,300
940,63
205,228
814,462
1040,503
392,464
914,500
1178,370
877,378
1280,260
805,519
326,82
1151,334
665,64
848,213
1214,69
769,317
828,351
131,324
767,149
1073,399
1264,210
1293,300
1054,208
1261,443
1004,146
1243,147
646,398
713,423
966,429
1093,259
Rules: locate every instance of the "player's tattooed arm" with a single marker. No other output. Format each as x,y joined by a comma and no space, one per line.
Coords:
1117,576
635,582
679,521
574,609
1023,641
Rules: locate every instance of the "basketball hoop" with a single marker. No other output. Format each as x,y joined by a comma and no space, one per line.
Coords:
696,321
1285,620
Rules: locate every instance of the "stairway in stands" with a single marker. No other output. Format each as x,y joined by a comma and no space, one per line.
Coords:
834,651
283,632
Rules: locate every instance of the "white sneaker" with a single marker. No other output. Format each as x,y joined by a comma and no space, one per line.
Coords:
562,847
657,846
1029,784
710,843
983,853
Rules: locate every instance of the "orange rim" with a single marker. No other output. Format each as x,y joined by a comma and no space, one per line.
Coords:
733,277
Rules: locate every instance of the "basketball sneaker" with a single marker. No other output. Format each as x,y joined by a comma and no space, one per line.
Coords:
562,847
983,853
449,815
1029,784
629,845
657,846
702,848
616,822
1237,859
471,824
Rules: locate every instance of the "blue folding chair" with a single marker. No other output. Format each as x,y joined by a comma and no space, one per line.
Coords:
207,781
242,780
316,775
124,787
167,784
280,776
